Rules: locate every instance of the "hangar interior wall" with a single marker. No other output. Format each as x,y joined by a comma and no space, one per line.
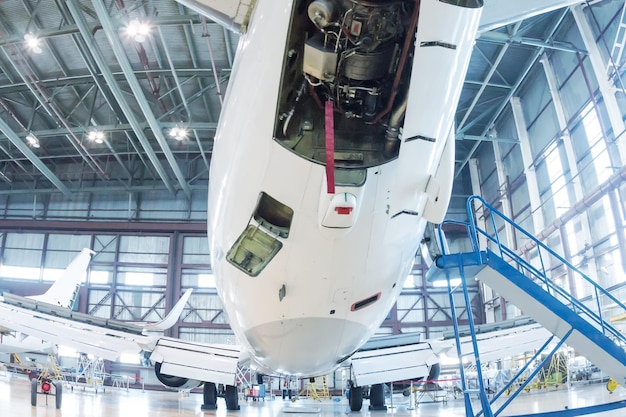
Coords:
575,146
561,142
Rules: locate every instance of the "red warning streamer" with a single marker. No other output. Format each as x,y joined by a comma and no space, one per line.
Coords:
330,147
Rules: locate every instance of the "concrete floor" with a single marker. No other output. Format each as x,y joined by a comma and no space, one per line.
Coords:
15,401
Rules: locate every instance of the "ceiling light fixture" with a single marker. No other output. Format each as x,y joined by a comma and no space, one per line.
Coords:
179,133
137,30
33,43
96,136
32,140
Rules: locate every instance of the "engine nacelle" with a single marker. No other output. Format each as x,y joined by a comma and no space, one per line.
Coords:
174,382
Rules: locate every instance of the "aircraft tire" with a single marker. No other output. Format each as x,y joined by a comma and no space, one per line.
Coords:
209,394
232,398
58,390
377,397
33,392
356,398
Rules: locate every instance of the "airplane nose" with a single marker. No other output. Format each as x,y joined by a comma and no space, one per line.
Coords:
305,346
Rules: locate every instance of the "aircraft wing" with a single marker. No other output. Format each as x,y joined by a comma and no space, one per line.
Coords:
110,338
105,338
497,13
404,357
232,14
394,363
505,343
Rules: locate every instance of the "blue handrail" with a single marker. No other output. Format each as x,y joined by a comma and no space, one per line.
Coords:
540,274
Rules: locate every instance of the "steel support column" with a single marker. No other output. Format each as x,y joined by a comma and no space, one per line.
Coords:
569,151
599,69
529,164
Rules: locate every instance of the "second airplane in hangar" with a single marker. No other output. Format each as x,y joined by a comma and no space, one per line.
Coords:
334,149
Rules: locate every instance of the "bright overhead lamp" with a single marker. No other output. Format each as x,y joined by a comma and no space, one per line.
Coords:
33,42
179,133
137,30
96,136
32,140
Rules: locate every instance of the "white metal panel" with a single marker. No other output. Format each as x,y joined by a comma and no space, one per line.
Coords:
506,343
233,14
201,362
392,364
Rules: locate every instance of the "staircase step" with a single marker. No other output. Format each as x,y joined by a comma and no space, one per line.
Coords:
587,337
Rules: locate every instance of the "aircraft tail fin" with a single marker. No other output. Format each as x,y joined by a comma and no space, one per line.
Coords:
172,317
63,292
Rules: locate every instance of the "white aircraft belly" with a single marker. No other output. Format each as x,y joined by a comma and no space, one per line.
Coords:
322,269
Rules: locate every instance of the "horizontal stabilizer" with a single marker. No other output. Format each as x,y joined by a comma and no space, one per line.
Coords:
172,317
197,361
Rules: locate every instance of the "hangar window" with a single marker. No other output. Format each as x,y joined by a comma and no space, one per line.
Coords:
597,144
554,165
99,277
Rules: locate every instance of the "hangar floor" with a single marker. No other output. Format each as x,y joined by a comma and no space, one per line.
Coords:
15,401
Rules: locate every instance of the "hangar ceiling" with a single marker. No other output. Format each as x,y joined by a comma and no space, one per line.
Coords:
90,73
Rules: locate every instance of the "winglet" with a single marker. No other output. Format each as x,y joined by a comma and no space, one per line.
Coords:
65,289
172,317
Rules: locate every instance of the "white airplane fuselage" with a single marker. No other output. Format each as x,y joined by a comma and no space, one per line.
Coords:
306,290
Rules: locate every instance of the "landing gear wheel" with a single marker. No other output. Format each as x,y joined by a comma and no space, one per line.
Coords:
58,389
232,398
377,397
33,392
356,398
210,396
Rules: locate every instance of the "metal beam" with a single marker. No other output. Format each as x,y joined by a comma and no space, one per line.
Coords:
111,32
599,69
10,134
498,13
95,189
70,29
121,127
505,102
25,71
486,138
492,71
503,38
198,228
17,87
103,66
180,90
529,164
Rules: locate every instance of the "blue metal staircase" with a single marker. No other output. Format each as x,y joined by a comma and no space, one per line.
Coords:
580,324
